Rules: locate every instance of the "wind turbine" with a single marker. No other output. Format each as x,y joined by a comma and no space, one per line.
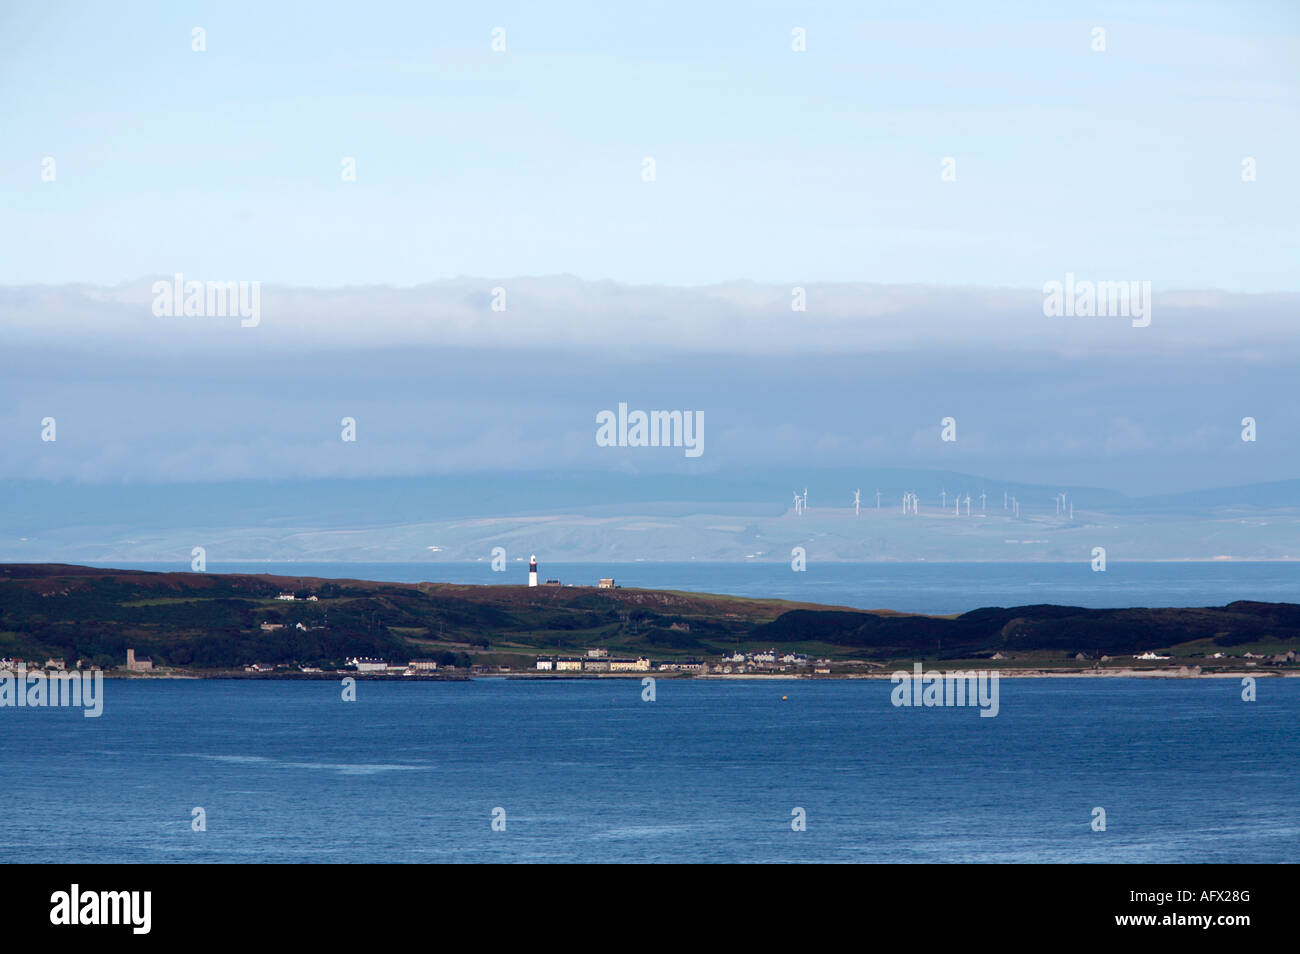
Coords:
968,505
857,503
805,498
1004,500
981,501
943,499
798,504
877,499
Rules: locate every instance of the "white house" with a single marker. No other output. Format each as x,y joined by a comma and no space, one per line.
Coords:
690,665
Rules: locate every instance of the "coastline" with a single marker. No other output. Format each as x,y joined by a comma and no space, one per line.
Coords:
1036,673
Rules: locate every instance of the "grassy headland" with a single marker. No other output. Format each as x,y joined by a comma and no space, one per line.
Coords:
210,623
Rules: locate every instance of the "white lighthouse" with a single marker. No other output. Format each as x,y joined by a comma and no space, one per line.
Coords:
532,570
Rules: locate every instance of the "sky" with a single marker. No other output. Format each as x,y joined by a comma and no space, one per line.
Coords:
771,165
775,169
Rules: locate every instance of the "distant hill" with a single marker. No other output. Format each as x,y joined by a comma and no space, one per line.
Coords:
217,621
1067,629
616,518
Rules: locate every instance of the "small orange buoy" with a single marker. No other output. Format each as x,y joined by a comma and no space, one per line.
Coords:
783,698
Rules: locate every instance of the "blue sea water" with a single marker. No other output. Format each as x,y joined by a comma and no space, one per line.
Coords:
709,771
908,587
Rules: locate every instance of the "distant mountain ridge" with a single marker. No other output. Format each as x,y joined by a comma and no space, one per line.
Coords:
372,501
227,620
613,516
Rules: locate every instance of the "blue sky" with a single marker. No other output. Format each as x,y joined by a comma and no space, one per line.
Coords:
772,165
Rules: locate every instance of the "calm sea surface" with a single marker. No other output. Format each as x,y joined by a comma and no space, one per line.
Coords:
710,771
909,587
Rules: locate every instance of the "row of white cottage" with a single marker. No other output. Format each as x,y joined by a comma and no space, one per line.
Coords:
769,657
369,664
592,664
597,660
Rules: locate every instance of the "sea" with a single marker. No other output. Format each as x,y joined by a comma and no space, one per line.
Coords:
743,770
589,771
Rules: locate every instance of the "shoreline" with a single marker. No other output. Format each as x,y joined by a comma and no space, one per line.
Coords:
708,677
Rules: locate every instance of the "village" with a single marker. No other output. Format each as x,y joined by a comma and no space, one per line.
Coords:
737,663
598,661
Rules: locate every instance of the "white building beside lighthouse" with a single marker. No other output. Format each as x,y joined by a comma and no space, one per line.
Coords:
532,570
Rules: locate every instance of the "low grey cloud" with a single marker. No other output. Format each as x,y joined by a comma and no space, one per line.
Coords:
438,383
566,313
